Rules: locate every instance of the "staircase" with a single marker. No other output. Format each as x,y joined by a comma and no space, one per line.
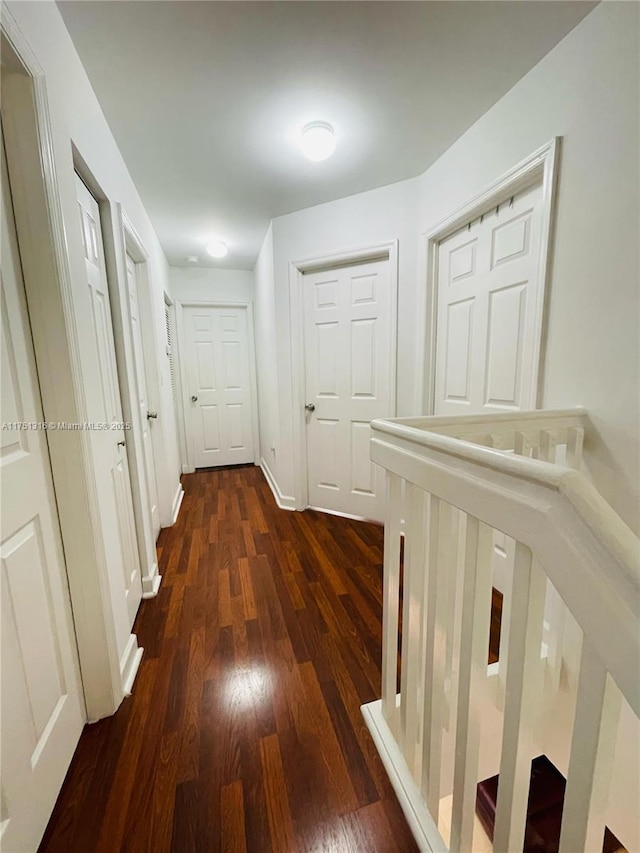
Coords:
500,501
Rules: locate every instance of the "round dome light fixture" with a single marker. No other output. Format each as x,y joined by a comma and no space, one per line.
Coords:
217,249
318,141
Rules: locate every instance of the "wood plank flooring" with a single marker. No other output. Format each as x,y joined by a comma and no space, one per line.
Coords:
244,730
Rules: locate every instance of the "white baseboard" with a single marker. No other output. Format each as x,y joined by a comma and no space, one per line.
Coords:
188,469
151,583
129,664
177,503
411,801
347,515
283,501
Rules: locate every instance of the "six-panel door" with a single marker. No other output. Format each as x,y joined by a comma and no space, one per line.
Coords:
42,705
348,365
146,416
218,405
114,493
488,291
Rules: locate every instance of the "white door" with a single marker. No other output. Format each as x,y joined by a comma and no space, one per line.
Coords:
115,495
42,705
218,404
349,347
487,338
147,417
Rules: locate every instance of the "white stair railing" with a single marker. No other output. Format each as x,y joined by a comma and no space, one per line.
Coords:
465,489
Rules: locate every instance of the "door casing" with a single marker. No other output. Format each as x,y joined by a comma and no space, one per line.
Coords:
297,269
119,237
189,468
50,298
542,165
131,244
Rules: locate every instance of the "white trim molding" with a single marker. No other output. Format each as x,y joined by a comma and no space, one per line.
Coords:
46,261
177,503
540,166
130,664
151,582
120,239
284,501
421,824
379,251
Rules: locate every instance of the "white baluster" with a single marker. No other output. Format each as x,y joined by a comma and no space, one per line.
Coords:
534,444
555,615
412,617
440,551
592,751
575,440
505,619
474,641
522,698
501,441
453,616
519,443
391,598
548,442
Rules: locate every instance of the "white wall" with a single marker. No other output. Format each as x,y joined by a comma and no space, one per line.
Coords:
77,120
266,357
585,90
367,219
201,284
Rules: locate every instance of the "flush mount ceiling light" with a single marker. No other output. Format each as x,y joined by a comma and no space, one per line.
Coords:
217,249
318,141
192,259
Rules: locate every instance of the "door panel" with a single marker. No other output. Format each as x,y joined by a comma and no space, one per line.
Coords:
116,503
143,397
488,279
362,468
459,347
42,708
503,369
210,428
217,370
363,358
348,354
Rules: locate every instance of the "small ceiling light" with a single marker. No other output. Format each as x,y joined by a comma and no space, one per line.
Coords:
318,141
192,259
217,249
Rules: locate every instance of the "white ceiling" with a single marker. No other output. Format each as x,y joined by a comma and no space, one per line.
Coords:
205,98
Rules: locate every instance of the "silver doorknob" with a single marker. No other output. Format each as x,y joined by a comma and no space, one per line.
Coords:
310,407
151,415
194,398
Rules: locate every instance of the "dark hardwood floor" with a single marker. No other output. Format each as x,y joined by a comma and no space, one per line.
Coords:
495,625
244,730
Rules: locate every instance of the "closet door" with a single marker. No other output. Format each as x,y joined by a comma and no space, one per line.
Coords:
42,704
218,404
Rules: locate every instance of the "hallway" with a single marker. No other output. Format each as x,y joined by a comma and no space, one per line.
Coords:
244,729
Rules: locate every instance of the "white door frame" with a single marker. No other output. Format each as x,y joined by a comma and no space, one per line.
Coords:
180,305
49,290
297,269
129,242
541,165
169,309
